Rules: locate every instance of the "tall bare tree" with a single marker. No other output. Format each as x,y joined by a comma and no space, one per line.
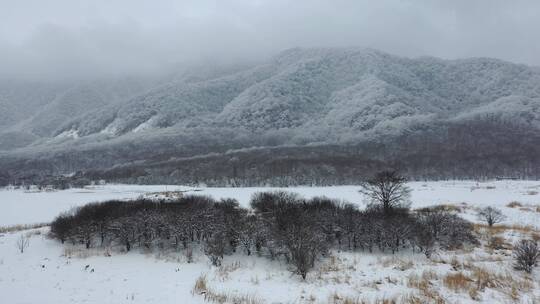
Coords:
491,215
387,190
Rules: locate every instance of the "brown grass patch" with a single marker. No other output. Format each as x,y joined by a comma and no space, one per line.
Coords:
424,284
457,281
201,288
336,298
514,204
498,243
498,229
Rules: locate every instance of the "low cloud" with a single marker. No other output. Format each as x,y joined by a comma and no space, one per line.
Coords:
64,39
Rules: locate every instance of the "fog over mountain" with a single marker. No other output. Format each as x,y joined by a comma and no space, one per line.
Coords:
302,97
268,92
61,40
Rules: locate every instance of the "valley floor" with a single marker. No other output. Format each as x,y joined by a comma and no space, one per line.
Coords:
48,272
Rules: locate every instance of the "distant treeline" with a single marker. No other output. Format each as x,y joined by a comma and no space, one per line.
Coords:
476,150
279,225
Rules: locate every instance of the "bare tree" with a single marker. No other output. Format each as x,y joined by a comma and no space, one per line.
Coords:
526,254
22,242
491,215
387,190
215,248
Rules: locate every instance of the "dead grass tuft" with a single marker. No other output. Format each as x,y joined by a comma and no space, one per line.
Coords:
200,285
396,263
425,286
224,271
444,207
335,298
514,204
498,229
201,288
457,281
498,243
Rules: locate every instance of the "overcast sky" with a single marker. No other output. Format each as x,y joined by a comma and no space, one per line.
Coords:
88,38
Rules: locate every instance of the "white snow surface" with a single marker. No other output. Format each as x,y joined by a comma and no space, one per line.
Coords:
48,272
26,207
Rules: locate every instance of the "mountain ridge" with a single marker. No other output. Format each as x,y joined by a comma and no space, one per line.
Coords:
300,97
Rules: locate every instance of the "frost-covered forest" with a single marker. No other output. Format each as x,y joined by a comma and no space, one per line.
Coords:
313,109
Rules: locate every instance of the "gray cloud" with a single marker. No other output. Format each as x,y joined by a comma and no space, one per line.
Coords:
88,38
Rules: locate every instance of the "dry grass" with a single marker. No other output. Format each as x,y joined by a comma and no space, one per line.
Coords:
335,270
83,253
444,207
457,281
200,285
514,204
498,229
15,228
335,298
498,243
224,271
424,284
396,263
212,296
480,279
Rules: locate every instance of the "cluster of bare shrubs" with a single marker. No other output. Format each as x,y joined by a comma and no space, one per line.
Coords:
279,225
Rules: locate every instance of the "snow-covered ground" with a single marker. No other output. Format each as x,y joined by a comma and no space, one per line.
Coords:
24,207
48,272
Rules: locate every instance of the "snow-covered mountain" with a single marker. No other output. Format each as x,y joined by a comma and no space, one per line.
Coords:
299,97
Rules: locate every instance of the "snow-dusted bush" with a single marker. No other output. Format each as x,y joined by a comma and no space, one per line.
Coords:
491,215
281,225
526,254
22,242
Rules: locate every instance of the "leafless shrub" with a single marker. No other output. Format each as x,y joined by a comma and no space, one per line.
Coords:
188,253
22,242
491,215
526,254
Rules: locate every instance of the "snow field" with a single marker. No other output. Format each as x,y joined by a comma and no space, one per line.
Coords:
48,272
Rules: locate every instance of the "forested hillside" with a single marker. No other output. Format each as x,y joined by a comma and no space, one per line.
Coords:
433,118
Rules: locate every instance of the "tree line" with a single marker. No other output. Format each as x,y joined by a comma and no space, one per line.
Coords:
279,225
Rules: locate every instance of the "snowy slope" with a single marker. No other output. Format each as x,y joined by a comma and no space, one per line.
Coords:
48,272
312,92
